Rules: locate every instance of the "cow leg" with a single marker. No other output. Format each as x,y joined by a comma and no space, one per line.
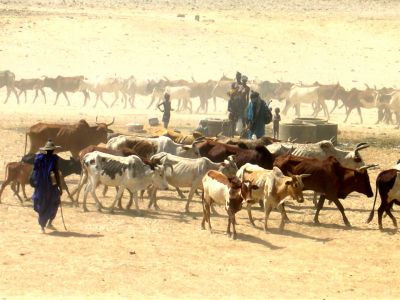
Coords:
341,209
36,96
267,211
8,95
44,95
3,186
58,95
190,197
97,100
359,113
77,191
382,208
334,106
180,193
88,187
105,189
285,214
250,215
102,100
24,192
389,213
325,108
135,197
319,207
348,114
66,97
215,103
115,99
281,209
117,197
25,96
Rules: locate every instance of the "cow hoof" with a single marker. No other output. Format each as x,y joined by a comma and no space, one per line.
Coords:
348,225
156,207
85,209
234,237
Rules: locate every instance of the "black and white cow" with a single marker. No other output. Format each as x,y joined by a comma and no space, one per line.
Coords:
123,172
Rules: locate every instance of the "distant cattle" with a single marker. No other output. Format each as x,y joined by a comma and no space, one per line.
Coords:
329,178
388,185
225,191
62,85
113,85
31,84
71,138
203,90
7,79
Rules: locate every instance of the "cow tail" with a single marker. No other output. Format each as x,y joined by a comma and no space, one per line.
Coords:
371,214
26,142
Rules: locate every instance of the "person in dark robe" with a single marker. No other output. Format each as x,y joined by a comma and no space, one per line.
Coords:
167,110
233,109
255,117
46,178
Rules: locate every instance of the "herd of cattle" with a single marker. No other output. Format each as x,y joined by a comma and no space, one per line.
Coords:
386,100
229,172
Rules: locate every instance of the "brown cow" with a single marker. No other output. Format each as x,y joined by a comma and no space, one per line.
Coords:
71,138
356,99
7,79
62,85
203,90
31,84
329,178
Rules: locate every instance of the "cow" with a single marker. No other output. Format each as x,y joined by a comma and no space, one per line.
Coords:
62,85
246,143
104,85
181,93
282,90
160,86
218,152
17,173
357,99
142,87
274,187
299,94
323,149
161,144
186,139
220,90
267,89
388,185
7,79
71,138
84,176
390,103
123,172
329,178
31,84
188,172
382,102
203,90
227,191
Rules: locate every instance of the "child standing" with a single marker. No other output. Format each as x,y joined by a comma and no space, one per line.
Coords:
275,125
167,110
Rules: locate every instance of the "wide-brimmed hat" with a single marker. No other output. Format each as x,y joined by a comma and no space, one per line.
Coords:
49,146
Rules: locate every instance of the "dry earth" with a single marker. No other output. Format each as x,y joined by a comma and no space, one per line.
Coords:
164,254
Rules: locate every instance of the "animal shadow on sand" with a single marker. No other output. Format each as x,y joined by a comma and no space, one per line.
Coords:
74,234
299,235
334,226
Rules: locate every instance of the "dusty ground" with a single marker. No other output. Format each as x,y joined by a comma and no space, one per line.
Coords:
164,254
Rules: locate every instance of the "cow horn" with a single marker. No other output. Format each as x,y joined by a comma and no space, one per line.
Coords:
332,139
247,171
112,122
304,175
366,167
361,146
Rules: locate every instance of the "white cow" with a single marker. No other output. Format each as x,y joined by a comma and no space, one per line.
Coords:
228,192
163,144
300,94
189,172
274,187
104,85
181,93
123,172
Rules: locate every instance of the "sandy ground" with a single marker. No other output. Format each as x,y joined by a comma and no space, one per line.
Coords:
164,254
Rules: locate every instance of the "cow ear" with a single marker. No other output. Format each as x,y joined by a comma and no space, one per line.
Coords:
289,182
186,147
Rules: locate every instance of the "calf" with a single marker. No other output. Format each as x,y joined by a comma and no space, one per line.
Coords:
273,188
221,190
17,173
388,184
123,172
31,84
329,178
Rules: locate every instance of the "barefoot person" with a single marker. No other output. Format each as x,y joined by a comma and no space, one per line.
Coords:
167,110
46,197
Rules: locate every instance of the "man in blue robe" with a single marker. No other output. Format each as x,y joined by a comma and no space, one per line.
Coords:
46,178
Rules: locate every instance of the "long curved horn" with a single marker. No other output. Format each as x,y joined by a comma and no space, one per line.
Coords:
366,167
109,124
361,146
332,139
